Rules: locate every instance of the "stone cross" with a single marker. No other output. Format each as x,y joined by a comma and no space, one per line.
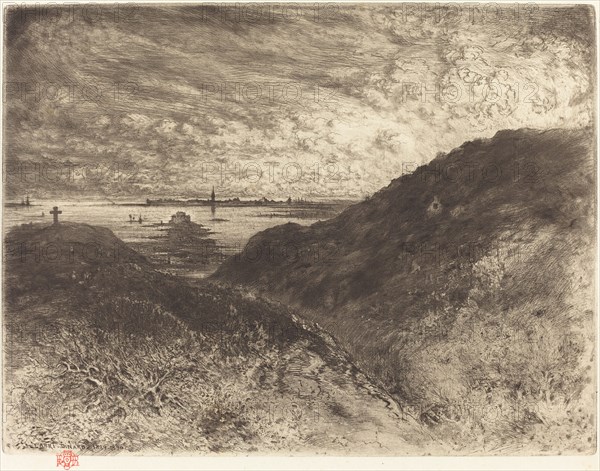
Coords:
55,212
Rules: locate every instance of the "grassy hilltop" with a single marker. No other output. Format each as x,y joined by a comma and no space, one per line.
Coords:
105,354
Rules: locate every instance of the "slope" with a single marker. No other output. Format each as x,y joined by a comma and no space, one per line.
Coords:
465,287
105,354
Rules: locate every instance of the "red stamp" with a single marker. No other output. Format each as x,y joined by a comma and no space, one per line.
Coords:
67,459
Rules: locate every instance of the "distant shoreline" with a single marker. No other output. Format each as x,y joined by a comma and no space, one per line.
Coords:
232,203
191,203
20,205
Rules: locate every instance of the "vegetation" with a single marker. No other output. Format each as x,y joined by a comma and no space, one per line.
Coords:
465,289
117,357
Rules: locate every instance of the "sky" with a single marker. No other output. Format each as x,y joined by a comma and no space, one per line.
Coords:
327,102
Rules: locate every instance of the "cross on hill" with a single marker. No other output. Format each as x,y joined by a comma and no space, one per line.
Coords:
55,212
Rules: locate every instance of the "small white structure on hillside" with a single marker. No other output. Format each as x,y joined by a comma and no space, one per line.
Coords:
435,207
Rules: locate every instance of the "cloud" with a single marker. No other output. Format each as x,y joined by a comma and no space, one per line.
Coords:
374,86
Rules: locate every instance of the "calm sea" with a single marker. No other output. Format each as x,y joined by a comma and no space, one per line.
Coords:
231,227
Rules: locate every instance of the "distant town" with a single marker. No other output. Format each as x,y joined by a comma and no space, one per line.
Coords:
26,202
212,200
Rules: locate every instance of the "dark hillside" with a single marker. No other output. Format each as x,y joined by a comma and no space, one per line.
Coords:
106,354
470,279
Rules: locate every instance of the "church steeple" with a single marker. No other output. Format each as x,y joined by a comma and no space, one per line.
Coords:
212,195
